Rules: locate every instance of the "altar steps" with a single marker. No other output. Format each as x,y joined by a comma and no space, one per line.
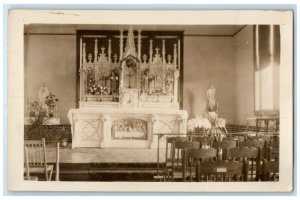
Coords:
107,172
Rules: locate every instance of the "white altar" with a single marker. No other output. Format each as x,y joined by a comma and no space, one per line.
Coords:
125,102
123,128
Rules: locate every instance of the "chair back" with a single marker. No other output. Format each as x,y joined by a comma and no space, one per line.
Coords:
170,141
266,138
222,146
270,170
177,157
36,150
243,153
178,149
272,153
220,170
252,143
193,156
26,163
260,143
250,156
205,142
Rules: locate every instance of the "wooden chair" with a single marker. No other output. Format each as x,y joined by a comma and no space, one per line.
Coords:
222,147
261,144
27,173
205,142
169,154
194,156
175,167
252,143
273,150
272,153
238,138
270,170
251,158
220,171
36,160
266,138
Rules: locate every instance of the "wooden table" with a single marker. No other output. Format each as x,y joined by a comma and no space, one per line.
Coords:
266,120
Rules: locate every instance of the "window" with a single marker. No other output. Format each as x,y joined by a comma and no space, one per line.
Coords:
267,53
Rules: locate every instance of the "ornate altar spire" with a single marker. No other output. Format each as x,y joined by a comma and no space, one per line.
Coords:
130,45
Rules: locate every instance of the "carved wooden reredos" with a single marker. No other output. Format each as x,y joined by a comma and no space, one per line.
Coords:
132,67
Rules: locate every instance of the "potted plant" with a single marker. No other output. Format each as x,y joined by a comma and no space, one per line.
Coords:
34,108
51,101
36,130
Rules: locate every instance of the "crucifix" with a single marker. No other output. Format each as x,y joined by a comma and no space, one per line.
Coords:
102,51
156,53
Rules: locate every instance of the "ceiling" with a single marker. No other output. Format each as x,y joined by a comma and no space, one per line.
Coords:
201,30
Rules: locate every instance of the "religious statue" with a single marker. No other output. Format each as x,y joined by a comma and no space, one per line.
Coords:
169,84
211,92
145,82
114,80
43,93
151,82
130,74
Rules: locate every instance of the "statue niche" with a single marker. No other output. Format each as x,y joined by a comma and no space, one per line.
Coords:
130,73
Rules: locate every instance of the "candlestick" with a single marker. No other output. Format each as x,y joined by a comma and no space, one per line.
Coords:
96,51
121,44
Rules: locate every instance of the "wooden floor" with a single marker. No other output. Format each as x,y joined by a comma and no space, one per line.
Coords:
108,155
111,164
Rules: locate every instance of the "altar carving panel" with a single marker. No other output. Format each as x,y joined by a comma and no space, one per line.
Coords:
89,129
129,129
86,129
166,126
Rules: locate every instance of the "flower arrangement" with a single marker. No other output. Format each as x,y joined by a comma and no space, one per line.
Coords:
104,90
94,89
34,108
51,101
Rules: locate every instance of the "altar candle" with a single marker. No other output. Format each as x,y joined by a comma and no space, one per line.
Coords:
150,51
179,54
121,44
109,50
139,45
96,50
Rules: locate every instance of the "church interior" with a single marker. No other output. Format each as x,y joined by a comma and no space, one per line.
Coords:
151,103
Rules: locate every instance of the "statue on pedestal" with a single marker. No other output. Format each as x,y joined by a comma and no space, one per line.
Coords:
43,93
211,92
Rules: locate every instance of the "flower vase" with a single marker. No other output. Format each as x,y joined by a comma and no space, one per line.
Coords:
51,113
42,114
37,113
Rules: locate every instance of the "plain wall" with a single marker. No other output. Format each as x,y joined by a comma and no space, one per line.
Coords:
209,60
52,60
244,75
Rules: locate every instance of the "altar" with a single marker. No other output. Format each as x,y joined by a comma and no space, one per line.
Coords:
123,128
126,99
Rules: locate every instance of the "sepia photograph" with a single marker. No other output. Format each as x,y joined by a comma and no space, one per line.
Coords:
174,100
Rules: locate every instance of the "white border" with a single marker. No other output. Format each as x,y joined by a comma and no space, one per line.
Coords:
17,19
